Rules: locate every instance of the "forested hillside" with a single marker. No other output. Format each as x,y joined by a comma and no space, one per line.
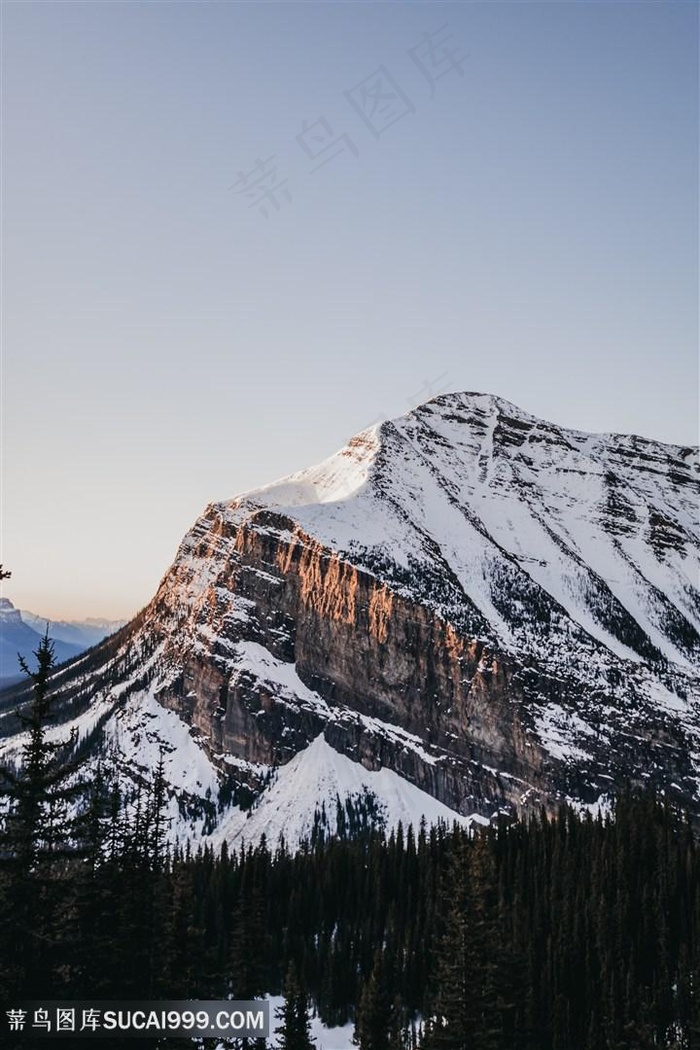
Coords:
571,933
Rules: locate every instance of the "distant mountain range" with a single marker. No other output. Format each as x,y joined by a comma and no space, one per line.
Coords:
21,632
466,610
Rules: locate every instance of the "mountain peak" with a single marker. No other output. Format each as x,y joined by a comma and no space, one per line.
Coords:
474,400
8,613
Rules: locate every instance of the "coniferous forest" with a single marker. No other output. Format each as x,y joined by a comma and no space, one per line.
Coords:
564,933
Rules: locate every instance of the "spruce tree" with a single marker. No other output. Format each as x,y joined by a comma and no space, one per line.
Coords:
449,1028
295,1030
37,836
374,1013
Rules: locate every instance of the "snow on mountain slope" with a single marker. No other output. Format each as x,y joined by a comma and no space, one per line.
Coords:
310,790
575,555
299,800
493,487
499,611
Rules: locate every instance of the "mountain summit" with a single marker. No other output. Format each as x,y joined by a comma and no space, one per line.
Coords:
500,611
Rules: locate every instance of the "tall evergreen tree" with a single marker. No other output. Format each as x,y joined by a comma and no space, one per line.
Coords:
36,835
295,1029
449,1028
373,1023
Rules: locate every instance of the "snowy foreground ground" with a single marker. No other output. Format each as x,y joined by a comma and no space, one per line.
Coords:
323,1038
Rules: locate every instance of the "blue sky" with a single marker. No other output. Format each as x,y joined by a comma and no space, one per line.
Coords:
526,224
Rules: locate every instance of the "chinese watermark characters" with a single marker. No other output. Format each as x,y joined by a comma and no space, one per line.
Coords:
378,100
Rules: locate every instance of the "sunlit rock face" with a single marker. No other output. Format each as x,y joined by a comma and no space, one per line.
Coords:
501,611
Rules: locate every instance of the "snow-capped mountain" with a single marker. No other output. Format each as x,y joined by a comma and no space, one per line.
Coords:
499,611
81,633
21,633
18,638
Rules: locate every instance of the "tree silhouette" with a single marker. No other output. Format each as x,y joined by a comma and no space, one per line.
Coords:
36,833
295,1030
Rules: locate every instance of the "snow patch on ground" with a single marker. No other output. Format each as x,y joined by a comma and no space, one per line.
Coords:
323,1038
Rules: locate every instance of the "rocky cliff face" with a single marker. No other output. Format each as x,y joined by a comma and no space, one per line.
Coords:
299,641
502,612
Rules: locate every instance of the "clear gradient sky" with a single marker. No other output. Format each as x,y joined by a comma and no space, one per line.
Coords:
526,225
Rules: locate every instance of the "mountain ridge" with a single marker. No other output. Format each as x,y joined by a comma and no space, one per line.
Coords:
22,631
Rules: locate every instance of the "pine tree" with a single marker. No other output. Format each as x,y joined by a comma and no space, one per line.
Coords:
450,1025
374,1013
37,835
157,821
295,1030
